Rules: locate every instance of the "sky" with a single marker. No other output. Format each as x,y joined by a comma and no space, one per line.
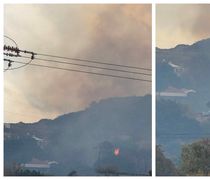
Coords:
119,34
181,24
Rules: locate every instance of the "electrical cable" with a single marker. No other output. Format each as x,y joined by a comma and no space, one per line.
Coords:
20,66
88,72
11,40
93,61
75,59
8,69
84,65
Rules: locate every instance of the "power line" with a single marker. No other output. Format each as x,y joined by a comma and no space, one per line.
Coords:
93,61
11,61
17,50
11,40
8,48
88,72
9,64
84,65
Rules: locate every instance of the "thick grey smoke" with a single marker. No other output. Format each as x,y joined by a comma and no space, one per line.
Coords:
187,22
201,27
111,33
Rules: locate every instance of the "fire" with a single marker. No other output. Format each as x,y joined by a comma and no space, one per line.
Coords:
116,151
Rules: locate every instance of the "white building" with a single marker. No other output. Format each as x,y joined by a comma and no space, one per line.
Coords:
39,165
174,92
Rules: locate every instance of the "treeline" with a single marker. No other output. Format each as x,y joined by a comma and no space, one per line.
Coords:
16,170
194,160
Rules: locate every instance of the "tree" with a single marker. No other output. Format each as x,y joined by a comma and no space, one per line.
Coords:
16,170
73,173
26,172
12,169
195,158
164,166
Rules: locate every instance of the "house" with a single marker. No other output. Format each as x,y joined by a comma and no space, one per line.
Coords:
42,166
175,92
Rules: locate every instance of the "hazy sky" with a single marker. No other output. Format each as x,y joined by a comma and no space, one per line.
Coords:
110,33
181,24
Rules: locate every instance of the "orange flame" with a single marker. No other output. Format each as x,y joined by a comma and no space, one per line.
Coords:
116,151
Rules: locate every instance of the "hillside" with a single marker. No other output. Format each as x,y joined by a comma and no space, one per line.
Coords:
75,140
176,125
182,117
186,66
